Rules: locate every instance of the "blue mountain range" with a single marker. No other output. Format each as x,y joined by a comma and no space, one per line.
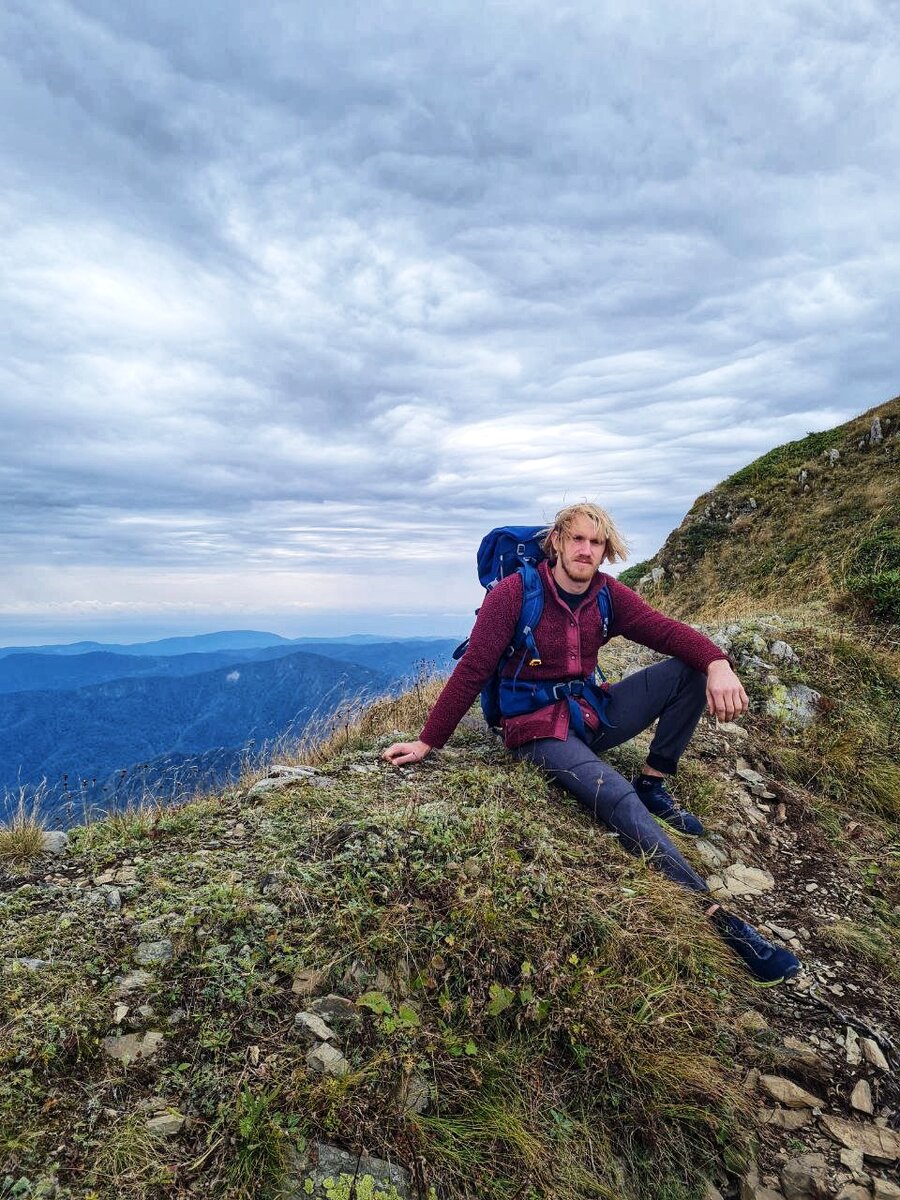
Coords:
95,725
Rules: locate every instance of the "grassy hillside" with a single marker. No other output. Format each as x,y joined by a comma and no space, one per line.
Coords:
562,1008
515,1009
796,526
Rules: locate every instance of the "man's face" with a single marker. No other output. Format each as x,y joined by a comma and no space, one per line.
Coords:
580,551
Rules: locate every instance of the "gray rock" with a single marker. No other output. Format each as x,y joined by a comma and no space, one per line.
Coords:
741,880
787,1093
753,1189
796,707
805,1177
711,855
134,981
416,1094
805,1054
752,1021
733,730
336,1010
749,775
852,1047
657,575
114,899
852,1160
875,434
853,1191
782,652
327,1060
264,786
286,771
24,964
790,1119
153,952
325,1171
307,981
831,456
312,1028
128,1047
166,1124
54,842
783,932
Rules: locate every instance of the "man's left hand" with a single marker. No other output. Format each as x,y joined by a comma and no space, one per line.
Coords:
725,695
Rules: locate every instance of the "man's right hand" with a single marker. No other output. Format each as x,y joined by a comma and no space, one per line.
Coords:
402,753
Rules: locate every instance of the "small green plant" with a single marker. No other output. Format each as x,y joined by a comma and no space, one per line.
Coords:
263,1139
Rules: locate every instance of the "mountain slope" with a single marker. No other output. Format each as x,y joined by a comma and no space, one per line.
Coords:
816,520
90,732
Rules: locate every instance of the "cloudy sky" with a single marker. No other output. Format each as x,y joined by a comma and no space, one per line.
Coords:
298,300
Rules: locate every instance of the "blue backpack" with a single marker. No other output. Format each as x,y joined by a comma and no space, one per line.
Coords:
519,548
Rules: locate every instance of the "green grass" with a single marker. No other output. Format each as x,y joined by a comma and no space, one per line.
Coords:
556,996
784,460
851,754
631,576
873,943
874,573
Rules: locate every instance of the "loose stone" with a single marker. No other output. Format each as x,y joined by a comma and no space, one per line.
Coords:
154,952
132,1046
307,982
883,1145
873,1053
312,1028
804,1178
789,1094
166,1124
327,1060
54,842
861,1097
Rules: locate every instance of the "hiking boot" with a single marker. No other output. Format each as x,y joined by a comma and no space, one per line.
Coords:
771,964
655,797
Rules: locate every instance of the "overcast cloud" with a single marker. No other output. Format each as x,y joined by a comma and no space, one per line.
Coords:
300,300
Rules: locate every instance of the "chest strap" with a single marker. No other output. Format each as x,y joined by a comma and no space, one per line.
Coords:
519,697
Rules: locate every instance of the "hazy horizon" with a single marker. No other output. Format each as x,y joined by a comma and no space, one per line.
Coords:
391,625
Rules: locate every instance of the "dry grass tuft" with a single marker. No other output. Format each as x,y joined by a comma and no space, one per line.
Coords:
22,837
361,719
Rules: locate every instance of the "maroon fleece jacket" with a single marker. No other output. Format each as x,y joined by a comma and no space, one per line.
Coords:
568,642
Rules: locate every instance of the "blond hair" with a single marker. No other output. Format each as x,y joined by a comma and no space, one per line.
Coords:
616,546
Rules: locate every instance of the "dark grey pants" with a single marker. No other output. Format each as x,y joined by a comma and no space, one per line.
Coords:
676,695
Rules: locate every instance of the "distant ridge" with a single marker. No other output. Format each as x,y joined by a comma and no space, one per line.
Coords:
235,639
206,643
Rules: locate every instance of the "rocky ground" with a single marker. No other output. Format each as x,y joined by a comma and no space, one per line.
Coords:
822,1054
207,891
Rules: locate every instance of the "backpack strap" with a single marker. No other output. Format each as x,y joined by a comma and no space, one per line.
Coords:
529,615
605,609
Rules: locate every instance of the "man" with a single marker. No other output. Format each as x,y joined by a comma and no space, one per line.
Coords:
566,736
